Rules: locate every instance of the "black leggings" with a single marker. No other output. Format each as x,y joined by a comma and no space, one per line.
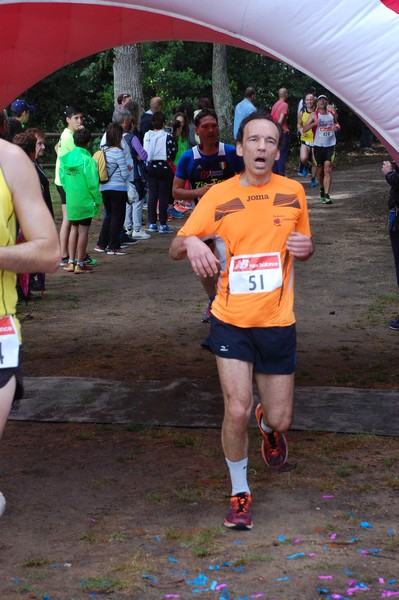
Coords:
160,181
115,208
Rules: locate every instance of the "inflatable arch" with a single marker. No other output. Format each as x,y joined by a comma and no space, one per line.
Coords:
349,46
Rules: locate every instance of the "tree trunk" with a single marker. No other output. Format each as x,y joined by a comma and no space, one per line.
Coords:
222,98
127,73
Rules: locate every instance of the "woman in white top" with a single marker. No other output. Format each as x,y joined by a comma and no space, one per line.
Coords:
161,148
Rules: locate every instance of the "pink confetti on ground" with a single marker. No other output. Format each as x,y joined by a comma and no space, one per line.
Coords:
333,536
297,541
325,576
328,496
221,586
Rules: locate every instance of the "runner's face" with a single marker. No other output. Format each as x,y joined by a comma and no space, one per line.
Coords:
208,130
75,122
259,147
309,101
322,103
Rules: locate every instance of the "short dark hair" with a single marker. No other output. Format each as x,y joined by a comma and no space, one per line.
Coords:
256,115
203,103
157,120
205,112
249,92
113,135
82,137
27,142
72,109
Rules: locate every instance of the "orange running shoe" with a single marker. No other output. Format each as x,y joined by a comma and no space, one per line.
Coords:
239,514
274,445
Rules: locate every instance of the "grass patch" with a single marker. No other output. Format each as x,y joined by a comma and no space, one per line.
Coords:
186,440
393,543
202,542
101,585
117,536
87,537
35,561
190,494
155,497
135,569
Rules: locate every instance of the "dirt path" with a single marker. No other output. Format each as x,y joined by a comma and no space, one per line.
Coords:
123,512
138,316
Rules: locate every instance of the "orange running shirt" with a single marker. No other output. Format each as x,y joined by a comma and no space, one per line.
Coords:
250,226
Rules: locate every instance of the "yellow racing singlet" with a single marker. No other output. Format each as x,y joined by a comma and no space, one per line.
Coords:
308,136
8,231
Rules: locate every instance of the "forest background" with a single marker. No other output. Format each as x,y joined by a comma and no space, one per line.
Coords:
176,71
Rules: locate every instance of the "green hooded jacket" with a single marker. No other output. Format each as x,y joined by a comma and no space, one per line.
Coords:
79,178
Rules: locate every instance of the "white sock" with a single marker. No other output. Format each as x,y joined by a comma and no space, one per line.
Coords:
238,476
265,428
2,503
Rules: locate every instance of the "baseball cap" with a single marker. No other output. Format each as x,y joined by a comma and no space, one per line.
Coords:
322,96
18,106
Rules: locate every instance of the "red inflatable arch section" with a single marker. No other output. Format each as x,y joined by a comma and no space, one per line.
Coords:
351,47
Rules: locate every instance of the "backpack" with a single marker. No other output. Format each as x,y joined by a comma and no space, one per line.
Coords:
101,161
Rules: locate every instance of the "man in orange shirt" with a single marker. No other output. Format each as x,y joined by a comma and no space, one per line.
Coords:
259,224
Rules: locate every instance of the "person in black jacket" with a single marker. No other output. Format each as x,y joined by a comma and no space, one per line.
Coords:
391,172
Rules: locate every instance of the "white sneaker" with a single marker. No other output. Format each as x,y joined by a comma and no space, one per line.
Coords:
2,503
140,235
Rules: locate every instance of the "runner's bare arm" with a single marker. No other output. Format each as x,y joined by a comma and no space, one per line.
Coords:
299,123
203,261
181,193
300,246
311,122
40,252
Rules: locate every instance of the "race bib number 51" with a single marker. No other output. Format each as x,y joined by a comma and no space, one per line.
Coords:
255,273
9,343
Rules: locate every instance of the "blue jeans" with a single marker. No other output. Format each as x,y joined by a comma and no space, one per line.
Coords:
279,165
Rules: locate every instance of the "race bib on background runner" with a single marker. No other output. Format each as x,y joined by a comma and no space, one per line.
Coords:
326,130
255,273
9,343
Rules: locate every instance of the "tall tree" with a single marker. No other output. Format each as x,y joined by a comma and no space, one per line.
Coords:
222,98
127,72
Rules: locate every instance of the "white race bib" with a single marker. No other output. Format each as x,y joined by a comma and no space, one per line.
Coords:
326,130
255,273
9,343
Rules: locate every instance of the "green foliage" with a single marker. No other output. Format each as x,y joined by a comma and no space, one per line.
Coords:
176,71
87,83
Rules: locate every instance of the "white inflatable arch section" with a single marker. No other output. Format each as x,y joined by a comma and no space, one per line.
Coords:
350,46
